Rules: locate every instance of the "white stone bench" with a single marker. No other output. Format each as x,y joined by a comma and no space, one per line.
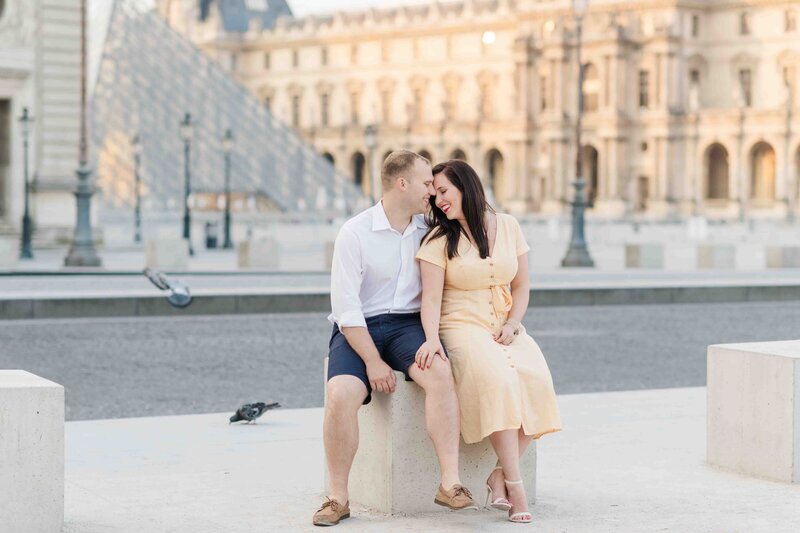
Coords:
167,253
31,453
753,418
9,252
644,256
258,253
396,470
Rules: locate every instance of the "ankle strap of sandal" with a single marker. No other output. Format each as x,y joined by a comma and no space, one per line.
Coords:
517,482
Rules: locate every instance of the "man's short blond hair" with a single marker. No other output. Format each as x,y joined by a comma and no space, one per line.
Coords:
396,164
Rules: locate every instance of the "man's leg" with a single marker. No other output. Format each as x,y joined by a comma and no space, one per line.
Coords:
345,394
441,416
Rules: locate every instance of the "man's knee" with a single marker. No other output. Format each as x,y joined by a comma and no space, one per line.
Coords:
345,394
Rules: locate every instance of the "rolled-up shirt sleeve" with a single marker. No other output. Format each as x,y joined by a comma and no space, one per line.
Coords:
347,273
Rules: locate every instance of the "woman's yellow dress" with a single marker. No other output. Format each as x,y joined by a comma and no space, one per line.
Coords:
499,387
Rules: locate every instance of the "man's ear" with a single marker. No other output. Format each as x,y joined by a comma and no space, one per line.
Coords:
403,183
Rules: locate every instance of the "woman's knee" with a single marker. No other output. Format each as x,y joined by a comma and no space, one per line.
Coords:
439,375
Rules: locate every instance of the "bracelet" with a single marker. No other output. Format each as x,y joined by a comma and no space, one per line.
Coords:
514,324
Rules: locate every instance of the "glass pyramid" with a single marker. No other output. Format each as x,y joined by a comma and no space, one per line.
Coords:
148,78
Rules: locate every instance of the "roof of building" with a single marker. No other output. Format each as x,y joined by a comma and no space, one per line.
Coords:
237,14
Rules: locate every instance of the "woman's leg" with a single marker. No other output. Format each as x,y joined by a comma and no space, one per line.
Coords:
497,480
506,446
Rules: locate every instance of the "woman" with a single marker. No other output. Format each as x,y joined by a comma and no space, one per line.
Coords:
468,260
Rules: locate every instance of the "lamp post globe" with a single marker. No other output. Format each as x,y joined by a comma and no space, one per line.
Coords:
187,131
227,148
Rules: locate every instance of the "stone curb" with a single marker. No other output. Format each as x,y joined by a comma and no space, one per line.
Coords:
230,303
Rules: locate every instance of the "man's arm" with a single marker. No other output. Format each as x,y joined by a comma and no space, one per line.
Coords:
347,274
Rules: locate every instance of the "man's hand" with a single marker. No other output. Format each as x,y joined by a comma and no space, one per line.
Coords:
428,351
381,376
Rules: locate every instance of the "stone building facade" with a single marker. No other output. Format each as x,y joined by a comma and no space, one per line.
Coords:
690,107
40,70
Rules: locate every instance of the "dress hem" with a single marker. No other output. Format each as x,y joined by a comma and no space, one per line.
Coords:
536,436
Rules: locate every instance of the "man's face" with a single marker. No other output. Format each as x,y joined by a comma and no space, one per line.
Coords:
419,186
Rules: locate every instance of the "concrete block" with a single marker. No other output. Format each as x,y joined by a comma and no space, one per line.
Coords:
680,256
395,470
169,254
31,453
716,256
9,253
644,256
753,409
783,257
259,253
751,256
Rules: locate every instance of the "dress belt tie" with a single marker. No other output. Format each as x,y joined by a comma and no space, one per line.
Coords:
501,299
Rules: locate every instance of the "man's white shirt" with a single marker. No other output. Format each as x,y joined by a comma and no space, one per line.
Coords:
374,268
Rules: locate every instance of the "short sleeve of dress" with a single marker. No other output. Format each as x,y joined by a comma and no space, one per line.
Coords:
433,251
522,246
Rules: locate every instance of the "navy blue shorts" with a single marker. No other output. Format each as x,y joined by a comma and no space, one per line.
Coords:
397,338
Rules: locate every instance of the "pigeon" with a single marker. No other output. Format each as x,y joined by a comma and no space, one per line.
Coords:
179,295
251,411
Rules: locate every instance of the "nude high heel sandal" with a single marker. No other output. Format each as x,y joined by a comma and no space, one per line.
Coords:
501,504
523,517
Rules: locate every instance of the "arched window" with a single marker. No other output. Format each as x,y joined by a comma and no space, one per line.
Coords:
329,158
591,88
495,170
357,167
590,167
717,172
458,153
426,154
762,172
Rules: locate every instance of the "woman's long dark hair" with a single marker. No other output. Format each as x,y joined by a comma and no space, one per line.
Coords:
473,204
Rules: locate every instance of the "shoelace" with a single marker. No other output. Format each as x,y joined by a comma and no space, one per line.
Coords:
333,504
464,491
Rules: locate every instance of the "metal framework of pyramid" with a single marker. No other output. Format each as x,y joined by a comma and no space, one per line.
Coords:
149,77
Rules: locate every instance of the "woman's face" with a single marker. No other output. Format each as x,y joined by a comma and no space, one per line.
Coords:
448,197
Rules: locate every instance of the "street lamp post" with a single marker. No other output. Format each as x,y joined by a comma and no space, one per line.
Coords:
137,209
186,135
82,252
578,254
789,182
27,229
227,148
694,108
740,103
371,140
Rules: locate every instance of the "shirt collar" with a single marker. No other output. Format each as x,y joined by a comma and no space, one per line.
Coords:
380,222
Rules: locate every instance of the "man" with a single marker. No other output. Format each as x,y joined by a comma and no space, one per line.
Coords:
375,299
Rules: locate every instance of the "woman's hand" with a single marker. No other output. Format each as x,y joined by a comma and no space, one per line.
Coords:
506,334
427,352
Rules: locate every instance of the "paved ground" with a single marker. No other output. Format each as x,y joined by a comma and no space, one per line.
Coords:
631,462
160,366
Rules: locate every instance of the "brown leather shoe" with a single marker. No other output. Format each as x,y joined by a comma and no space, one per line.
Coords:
457,498
331,513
